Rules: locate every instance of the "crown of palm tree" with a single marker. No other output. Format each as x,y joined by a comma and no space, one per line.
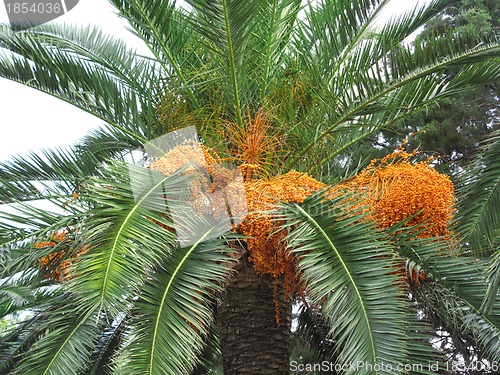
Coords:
272,85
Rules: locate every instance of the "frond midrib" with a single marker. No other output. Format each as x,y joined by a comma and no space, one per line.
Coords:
166,293
311,220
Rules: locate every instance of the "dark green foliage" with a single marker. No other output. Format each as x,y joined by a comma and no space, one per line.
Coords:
455,127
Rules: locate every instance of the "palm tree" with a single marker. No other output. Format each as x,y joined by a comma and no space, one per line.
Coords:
272,86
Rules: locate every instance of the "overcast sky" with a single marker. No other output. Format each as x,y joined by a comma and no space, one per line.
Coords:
30,120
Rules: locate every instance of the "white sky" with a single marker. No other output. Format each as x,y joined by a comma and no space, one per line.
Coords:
30,120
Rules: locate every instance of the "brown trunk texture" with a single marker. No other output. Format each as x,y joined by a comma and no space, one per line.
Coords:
251,340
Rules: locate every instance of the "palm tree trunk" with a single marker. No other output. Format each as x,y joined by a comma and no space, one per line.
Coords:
251,340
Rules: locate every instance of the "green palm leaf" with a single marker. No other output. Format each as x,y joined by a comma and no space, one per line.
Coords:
472,289
422,352
492,273
166,31
227,24
479,198
53,173
312,332
455,291
14,344
27,223
269,39
177,304
68,336
109,344
209,358
128,205
458,315
346,267
38,60
355,86
109,53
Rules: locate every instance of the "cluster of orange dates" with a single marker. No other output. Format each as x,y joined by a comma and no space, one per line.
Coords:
393,189
56,265
390,190
268,251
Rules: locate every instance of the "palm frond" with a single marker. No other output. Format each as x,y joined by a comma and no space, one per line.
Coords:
471,289
13,296
109,53
421,351
210,356
64,343
112,337
226,25
437,258
15,343
22,224
478,194
50,165
457,315
492,273
129,213
400,27
312,332
106,143
52,174
166,31
269,40
321,18
175,310
363,91
37,61
455,289
346,267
